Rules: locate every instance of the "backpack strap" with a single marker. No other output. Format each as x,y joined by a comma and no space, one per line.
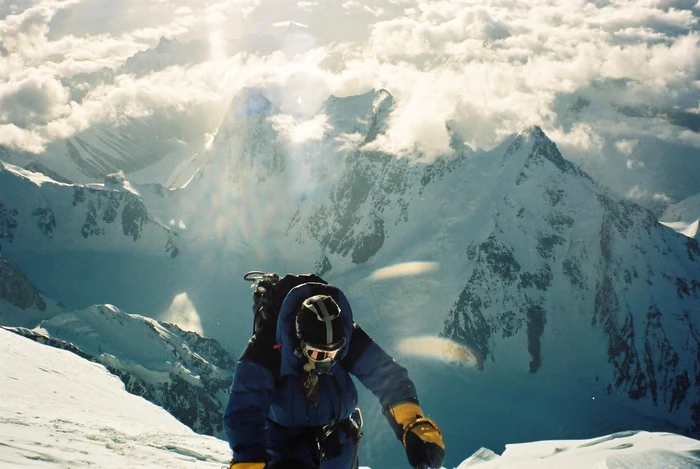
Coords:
264,352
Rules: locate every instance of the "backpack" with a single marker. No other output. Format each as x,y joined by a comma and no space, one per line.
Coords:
270,292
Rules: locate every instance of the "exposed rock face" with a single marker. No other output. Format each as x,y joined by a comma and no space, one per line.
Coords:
571,249
49,214
371,190
17,290
8,222
246,145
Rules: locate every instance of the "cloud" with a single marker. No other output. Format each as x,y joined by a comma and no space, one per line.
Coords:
352,5
349,142
581,135
36,72
16,137
285,24
485,69
300,130
632,164
417,125
626,146
28,29
32,101
307,5
639,193
376,11
505,64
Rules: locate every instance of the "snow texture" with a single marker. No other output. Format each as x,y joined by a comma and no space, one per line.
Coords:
60,411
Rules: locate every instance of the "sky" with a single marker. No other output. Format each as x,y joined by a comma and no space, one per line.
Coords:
486,68
58,410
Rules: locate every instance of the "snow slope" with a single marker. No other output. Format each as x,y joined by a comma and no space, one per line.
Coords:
684,216
60,411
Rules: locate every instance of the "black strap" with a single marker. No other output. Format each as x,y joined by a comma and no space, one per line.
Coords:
262,350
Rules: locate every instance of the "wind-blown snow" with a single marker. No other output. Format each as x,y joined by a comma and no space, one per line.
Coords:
58,410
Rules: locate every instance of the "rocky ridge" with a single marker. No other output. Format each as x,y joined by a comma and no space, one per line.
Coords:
574,256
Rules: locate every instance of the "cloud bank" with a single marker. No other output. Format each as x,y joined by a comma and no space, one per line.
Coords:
582,70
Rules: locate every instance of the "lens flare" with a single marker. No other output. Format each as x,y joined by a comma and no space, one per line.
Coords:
217,45
404,270
183,313
437,348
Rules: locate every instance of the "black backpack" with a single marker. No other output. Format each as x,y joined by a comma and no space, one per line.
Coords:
270,291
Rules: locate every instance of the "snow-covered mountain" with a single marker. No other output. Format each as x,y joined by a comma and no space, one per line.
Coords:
568,277
92,422
40,214
187,375
684,216
563,290
546,266
130,146
167,53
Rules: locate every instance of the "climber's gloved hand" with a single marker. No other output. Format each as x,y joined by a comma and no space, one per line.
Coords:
420,436
246,465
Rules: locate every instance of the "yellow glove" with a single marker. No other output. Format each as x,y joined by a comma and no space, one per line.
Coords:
420,436
246,465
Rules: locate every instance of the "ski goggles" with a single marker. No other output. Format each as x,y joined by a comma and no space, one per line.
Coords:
318,354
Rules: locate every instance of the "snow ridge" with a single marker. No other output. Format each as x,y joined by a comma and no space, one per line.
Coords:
186,374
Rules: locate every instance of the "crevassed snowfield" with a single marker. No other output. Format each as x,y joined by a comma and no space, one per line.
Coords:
58,410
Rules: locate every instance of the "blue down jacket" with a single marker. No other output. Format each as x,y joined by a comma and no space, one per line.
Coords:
266,403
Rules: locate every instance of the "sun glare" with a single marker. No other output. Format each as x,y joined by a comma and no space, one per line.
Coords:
217,46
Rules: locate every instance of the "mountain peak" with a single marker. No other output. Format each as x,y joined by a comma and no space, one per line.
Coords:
364,114
370,100
534,131
249,106
535,148
250,102
530,135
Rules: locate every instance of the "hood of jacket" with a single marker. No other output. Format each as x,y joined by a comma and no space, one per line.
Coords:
293,363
